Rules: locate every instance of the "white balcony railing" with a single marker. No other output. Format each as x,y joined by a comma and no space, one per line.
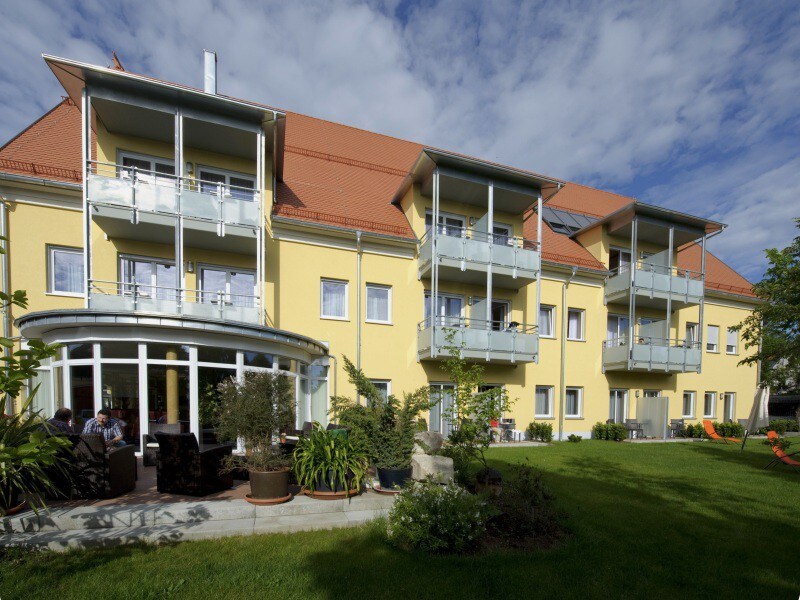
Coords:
652,354
155,192
460,245
132,296
656,280
486,340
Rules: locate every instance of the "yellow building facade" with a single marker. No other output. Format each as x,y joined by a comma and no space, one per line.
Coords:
169,266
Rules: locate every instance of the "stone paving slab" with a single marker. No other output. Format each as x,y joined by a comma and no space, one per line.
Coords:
67,528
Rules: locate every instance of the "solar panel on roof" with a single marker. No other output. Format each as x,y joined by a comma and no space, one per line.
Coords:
564,221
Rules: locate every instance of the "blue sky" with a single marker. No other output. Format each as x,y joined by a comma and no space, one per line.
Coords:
692,105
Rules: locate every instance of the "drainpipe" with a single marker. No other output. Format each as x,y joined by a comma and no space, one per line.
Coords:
6,283
562,385
358,305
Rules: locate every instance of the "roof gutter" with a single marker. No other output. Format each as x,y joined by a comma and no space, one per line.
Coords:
40,181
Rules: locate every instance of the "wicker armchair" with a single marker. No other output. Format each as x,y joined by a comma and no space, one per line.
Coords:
184,469
101,472
150,451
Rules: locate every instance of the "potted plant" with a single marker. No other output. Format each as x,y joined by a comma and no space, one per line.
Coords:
330,464
384,426
256,410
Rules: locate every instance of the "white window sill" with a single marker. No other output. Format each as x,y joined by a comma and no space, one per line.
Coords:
575,340
64,294
687,417
547,337
378,322
334,318
575,418
712,351
543,417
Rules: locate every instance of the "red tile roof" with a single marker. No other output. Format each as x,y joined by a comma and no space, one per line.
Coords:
344,177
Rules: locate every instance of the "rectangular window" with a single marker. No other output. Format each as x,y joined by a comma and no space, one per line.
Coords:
544,401
708,405
229,286
729,406
149,169
573,402
379,303
619,260
712,341
691,334
575,324
617,329
502,234
65,269
333,299
450,225
688,405
234,185
449,312
732,343
546,321
149,278
384,387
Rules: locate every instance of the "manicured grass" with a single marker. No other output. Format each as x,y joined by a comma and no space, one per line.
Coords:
657,520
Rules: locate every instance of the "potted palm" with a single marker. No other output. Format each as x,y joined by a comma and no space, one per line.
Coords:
256,410
330,464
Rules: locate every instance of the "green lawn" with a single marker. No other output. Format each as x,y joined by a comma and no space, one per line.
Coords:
657,520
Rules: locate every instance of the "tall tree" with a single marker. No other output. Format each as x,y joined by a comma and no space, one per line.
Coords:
773,328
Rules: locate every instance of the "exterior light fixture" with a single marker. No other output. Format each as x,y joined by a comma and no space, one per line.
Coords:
189,267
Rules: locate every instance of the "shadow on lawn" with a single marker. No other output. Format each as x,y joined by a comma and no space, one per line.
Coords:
634,534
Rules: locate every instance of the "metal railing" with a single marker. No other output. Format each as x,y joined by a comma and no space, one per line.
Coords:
456,322
481,236
647,267
161,192
651,341
132,295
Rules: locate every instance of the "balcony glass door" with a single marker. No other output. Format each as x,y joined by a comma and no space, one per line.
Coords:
236,288
619,405
451,225
619,260
442,394
617,329
155,279
449,311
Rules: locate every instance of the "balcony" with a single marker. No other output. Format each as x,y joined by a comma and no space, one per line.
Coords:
478,340
654,284
464,255
138,204
134,297
651,354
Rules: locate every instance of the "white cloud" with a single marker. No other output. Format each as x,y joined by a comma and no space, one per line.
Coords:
616,94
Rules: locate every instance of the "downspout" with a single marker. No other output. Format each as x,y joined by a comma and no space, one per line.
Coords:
6,284
358,304
562,384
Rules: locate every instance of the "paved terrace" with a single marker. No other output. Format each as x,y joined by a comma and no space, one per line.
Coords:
144,515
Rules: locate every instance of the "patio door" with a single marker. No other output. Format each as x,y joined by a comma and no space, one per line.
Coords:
451,225
231,287
449,311
442,394
619,260
729,399
617,329
619,405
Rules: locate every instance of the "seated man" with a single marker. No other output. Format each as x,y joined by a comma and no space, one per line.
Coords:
106,426
60,423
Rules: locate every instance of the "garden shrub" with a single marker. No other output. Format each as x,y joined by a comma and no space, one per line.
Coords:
781,443
437,518
609,431
574,438
780,426
728,429
542,432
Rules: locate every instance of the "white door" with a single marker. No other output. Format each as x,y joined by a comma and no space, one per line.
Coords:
443,394
729,407
450,309
619,405
617,329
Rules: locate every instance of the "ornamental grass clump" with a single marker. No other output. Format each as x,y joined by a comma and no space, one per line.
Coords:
439,519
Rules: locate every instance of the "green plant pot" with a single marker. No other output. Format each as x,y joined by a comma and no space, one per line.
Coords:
269,485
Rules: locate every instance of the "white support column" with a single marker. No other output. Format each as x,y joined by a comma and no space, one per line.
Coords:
539,270
669,295
97,378
435,263
144,414
194,396
490,231
179,171
86,155
701,324
632,292
260,230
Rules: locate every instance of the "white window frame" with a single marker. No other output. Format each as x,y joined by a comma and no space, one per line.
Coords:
693,396
713,412
153,274
613,408
621,250
366,303
123,154
434,313
346,284
227,270
582,329
51,270
579,415
445,215
735,346
708,337
388,383
227,175
550,393
552,313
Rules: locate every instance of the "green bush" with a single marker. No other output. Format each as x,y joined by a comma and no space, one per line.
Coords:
437,518
609,431
734,430
542,432
574,438
781,443
780,426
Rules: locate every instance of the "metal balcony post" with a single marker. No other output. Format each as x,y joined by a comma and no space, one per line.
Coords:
86,152
632,293
260,230
538,271
701,325
435,262
180,275
669,293
490,231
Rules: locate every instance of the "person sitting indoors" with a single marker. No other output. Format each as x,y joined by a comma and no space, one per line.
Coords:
60,423
107,427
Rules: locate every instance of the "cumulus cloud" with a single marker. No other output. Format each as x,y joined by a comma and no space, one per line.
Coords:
687,104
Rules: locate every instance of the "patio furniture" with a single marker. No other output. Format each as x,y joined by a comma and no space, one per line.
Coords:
150,450
100,472
675,427
635,429
185,469
710,432
781,455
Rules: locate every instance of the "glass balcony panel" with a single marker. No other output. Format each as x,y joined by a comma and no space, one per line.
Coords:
110,190
238,211
200,205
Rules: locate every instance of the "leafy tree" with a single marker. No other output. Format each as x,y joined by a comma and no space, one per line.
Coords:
773,328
